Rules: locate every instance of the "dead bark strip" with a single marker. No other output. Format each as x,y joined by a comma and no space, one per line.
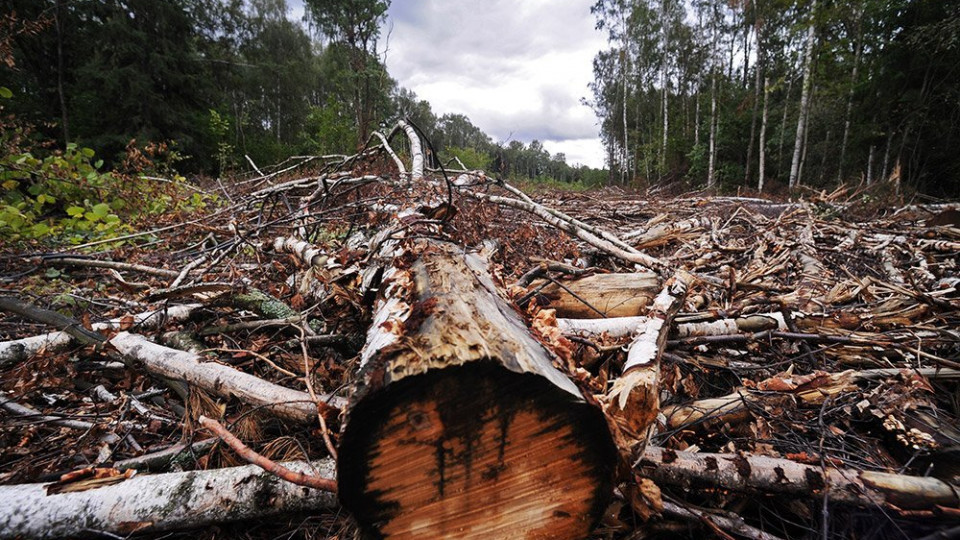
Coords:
761,474
461,424
163,502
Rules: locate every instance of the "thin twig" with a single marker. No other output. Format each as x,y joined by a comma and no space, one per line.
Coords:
266,463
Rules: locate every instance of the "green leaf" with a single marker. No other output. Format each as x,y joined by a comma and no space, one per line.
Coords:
75,211
87,152
5,92
40,229
101,210
10,184
52,273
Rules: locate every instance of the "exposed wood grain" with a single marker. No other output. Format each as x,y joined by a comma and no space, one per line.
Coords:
613,295
463,428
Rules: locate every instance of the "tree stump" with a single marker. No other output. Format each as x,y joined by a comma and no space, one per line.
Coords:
461,426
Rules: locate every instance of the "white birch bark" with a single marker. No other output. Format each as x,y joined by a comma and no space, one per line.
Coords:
216,378
163,502
853,82
762,172
416,167
18,350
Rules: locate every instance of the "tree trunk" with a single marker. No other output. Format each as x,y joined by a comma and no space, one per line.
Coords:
762,172
756,103
753,125
711,179
853,81
783,124
772,475
155,503
461,424
666,87
804,97
60,92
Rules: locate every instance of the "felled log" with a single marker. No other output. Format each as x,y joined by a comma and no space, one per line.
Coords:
216,378
461,425
20,349
750,473
624,326
601,295
162,502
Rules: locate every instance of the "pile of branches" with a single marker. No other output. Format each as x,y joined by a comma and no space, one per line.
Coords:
768,369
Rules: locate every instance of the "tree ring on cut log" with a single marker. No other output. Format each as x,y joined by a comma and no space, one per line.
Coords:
475,451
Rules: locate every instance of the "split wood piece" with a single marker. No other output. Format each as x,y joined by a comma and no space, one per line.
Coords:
633,401
616,327
18,350
775,476
461,425
217,379
162,502
600,295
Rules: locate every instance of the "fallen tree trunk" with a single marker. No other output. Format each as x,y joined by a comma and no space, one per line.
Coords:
18,350
782,476
216,378
462,425
163,502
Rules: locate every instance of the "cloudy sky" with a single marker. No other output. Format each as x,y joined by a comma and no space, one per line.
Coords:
517,69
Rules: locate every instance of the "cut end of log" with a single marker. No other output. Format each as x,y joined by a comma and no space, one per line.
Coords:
476,451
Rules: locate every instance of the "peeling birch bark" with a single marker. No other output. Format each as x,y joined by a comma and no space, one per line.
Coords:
305,251
663,233
163,502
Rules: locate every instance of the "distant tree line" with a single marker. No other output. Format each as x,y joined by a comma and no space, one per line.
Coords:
224,79
783,92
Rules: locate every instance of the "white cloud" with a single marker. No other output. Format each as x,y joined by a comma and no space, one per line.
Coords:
578,151
516,69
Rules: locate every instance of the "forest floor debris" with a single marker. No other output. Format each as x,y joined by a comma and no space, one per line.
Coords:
820,333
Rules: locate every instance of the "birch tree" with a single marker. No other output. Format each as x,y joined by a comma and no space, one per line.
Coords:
804,98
